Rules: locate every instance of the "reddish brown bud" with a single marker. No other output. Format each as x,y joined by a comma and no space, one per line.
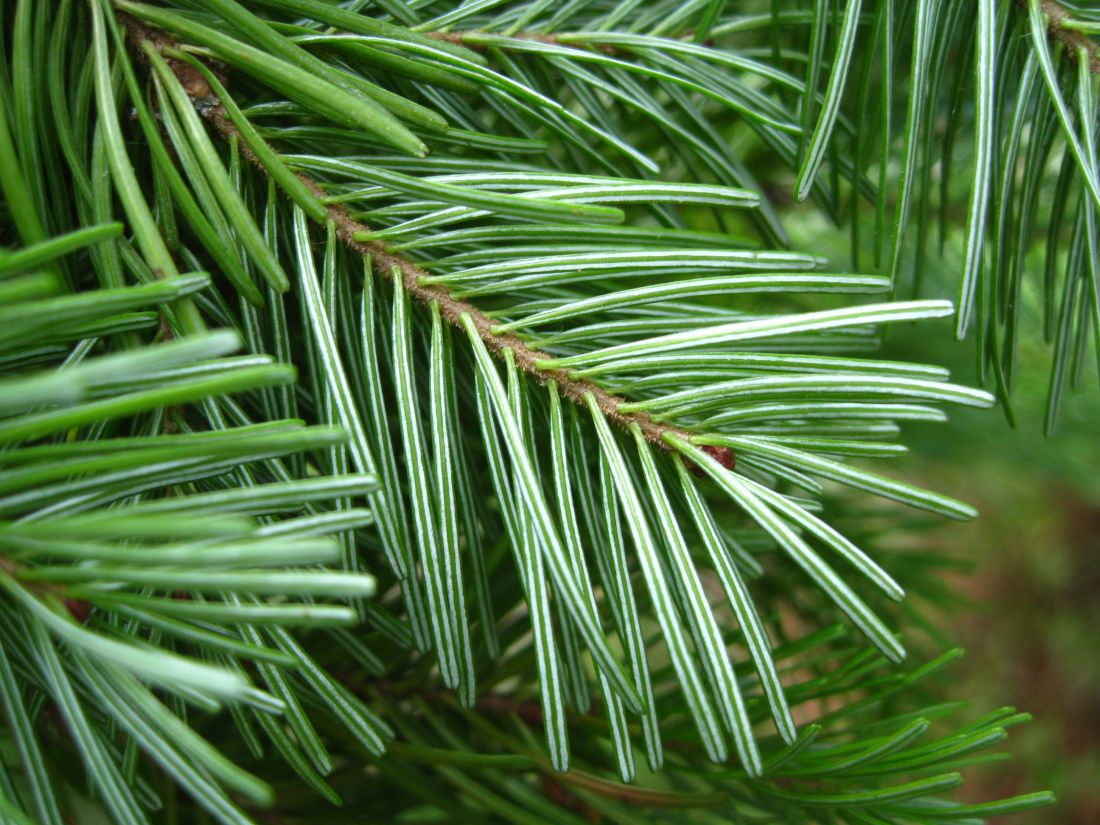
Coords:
723,455
79,609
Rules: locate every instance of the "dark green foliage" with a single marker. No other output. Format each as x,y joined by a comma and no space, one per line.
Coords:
420,407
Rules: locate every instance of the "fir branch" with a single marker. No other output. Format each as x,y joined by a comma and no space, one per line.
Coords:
392,265
537,560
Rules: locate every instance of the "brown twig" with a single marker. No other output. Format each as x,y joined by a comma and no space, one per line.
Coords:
388,264
452,310
1073,39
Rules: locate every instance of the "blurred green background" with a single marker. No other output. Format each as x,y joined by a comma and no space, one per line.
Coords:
1031,626
1030,623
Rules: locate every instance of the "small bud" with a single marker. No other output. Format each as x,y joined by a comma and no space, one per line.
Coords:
79,609
723,455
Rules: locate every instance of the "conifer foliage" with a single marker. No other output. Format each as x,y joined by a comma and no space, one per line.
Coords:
417,411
